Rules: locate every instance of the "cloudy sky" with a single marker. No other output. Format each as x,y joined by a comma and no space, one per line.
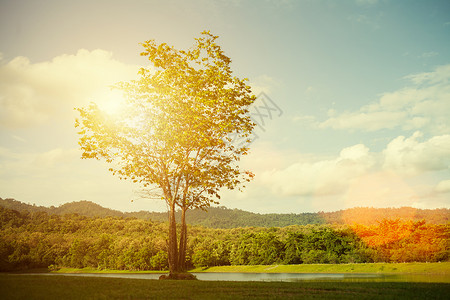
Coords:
359,92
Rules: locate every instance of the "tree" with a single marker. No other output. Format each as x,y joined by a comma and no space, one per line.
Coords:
293,248
176,131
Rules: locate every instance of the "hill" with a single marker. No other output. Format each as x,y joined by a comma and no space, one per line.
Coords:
222,217
83,208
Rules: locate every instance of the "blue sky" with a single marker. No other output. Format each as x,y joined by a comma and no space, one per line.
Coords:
363,87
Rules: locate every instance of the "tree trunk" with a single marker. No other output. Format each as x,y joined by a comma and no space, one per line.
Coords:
183,241
173,251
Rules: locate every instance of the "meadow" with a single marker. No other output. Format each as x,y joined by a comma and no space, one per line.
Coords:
440,268
23,286
59,285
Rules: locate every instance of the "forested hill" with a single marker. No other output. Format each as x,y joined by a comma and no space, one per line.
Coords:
83,208
221,217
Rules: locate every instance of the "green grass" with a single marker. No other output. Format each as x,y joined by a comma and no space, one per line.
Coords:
442,268
107,271
15,286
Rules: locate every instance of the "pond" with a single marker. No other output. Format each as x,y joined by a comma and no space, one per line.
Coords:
290,277
285,277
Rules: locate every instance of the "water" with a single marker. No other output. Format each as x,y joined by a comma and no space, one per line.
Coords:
277,277
289,277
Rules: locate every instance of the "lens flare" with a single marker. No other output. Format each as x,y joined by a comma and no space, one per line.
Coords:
111,102
382,189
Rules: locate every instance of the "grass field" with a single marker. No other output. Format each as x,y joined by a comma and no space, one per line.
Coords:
107,271
16,286
26,286
442,268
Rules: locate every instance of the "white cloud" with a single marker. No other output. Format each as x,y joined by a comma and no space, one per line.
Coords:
424,105
428,54
443,187
370,121
399,175
310,90
364,19
55,157
309,120
409,156
45,93
18,138
32,93
320,177
59,175
41,164
264,83
380,189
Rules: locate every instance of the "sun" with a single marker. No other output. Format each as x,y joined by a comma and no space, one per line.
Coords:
111,102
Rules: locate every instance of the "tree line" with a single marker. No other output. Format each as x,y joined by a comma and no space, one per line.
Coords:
222,217
39,240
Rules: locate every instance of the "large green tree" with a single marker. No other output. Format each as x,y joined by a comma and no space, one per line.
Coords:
176,131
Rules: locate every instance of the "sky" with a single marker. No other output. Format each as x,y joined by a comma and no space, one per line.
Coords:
359,93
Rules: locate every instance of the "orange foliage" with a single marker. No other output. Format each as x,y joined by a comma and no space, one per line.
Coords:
372,216
386,232
402,241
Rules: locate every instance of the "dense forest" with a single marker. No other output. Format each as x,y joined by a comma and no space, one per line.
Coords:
221,217
38,239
